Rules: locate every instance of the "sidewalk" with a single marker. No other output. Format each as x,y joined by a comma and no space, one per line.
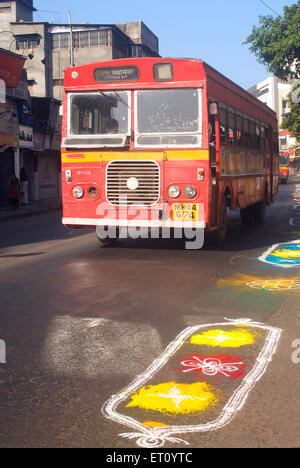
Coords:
32,209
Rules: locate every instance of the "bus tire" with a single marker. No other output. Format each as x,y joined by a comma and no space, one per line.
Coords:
219,236
108,240
259,211
246,215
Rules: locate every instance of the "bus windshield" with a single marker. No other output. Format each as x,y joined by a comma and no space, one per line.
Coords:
102,113
168,117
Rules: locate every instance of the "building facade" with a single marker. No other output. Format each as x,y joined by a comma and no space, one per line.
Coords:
12,100
274,93
49,49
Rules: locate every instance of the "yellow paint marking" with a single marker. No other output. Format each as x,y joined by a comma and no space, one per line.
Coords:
286,253
153,424
175,398
224,339
274,284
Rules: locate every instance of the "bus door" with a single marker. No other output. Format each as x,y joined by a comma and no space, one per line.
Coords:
213,126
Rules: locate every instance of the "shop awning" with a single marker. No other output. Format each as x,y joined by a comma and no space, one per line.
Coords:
11,66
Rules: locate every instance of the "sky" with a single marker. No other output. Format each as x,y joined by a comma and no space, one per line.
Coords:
211,30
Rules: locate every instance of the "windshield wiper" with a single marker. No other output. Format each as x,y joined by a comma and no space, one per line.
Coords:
118,97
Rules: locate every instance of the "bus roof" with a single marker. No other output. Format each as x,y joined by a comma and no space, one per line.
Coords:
187,72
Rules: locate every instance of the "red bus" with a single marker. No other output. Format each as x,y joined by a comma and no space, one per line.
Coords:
284,168
156,142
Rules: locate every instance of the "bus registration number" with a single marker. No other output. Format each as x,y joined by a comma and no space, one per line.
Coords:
185,211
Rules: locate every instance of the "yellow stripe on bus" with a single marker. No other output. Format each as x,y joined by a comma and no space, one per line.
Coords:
95,156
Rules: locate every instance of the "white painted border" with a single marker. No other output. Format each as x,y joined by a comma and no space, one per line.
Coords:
264,256
156,437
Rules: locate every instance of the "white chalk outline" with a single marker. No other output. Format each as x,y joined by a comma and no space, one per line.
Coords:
275,284
156,437
265,255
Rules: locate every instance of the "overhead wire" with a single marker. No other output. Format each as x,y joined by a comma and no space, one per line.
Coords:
266,5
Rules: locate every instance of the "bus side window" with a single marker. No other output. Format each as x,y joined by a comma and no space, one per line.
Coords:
258,137
275,142
252,135
263,138
267,140
246,133
239,131
232,129
223,126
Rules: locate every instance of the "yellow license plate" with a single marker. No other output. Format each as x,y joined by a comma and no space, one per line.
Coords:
185,211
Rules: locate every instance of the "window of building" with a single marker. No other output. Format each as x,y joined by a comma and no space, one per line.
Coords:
93,38
285,106
22,44
61,40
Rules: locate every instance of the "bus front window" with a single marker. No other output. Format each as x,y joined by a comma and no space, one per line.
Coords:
99,114
168,117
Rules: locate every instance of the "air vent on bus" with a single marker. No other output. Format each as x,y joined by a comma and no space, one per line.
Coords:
133,183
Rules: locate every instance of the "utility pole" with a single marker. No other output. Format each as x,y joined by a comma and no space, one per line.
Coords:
71,40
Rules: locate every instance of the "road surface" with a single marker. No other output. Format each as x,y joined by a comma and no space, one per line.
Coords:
81,321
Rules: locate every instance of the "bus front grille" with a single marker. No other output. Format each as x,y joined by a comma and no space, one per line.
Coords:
133,183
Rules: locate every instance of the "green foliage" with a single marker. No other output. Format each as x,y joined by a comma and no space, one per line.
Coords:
276,43
291,121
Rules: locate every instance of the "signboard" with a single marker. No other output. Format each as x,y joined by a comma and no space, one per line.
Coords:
38,141
26,136
11,66
9,126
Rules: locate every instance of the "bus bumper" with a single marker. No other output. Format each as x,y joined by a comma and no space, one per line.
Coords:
153,223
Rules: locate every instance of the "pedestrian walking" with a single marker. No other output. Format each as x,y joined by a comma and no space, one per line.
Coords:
24,182
14,190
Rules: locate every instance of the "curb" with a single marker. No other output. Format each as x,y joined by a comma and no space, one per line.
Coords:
29,213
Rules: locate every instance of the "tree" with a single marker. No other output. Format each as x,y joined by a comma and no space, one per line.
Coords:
276,43
291,121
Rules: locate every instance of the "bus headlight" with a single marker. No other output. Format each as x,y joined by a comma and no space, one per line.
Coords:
190,191
78,192
93,192
174,191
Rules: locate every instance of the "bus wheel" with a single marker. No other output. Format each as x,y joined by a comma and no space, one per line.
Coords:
108,240
246,215
220,235
259,211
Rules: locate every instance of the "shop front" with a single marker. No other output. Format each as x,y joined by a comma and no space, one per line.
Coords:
9,148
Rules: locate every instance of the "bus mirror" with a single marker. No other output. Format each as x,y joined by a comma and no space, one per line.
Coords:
213,108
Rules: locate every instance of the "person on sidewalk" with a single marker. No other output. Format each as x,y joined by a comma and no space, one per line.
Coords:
24,182
14,190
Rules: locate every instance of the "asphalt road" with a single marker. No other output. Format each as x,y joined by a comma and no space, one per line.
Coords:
81,321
